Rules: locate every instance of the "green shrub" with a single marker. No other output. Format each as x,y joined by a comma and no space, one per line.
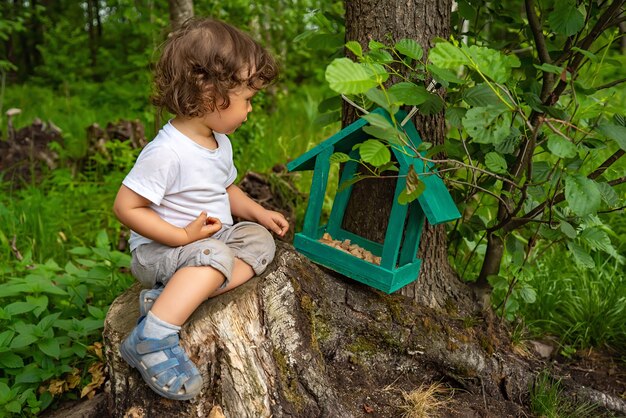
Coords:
52,317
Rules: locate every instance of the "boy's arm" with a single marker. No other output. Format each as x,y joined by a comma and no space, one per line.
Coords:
243,207
134,211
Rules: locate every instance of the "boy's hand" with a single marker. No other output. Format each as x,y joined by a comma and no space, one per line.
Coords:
274,221
202,227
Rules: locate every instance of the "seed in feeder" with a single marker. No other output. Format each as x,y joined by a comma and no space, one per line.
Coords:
347,247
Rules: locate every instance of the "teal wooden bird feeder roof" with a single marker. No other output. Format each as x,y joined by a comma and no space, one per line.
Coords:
399,264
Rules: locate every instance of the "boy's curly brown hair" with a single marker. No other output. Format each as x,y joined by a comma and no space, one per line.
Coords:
202,62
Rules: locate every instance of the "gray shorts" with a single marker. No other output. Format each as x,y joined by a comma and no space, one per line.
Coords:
155,263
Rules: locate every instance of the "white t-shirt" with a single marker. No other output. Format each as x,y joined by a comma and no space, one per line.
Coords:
182,178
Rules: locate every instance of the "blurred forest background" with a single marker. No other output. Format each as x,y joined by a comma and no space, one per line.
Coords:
74,113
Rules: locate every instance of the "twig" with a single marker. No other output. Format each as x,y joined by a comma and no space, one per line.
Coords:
344,97
484,190
611,84
542,48
16,252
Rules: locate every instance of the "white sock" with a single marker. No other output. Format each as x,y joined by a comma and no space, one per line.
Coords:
157,329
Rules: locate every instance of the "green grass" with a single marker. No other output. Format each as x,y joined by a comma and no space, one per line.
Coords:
547,401
583,307
74,107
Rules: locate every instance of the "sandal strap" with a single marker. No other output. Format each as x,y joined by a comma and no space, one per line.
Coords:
159,368
178,383
151,346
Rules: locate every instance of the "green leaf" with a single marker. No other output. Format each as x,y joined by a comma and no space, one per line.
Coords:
561,147
347,77
433,105
496,163
446,55
454,115
509,145
50,347
493,63
99,313
373,45
566,18
11,360
47,321
487,125
391,135
498,282
378,120
80,251
444,76
581,257
5,393
17,308
598,239
582,194
528,294
348,183
383,100
549,68
379,56
42,284
410,48
568,229
541,171
409,93
13,289
41,303
14,406
355,48
102,240
22,340
339,157
615,132
5,337
375,153
588,54
481,95
608,194
31,374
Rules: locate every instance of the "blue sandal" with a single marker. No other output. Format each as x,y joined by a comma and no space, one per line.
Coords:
175,378
147,297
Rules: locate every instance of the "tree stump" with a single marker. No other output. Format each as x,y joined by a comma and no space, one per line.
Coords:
300,342
253,346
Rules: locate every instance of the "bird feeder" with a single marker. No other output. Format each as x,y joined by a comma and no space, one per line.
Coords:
399,264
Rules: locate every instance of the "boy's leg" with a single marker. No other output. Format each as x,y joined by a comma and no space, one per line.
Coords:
152,347
253,247
185,291
242,272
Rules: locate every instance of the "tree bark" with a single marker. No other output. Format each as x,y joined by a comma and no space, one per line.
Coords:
370,204
180,11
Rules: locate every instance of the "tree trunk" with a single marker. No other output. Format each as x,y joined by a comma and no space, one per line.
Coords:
180,11
370,203
91,30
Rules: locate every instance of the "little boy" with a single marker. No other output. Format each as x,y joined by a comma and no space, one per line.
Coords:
179,198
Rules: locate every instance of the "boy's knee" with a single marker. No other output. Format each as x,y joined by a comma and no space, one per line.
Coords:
257,247
209,253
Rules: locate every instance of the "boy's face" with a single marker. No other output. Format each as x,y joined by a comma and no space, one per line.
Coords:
226,121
